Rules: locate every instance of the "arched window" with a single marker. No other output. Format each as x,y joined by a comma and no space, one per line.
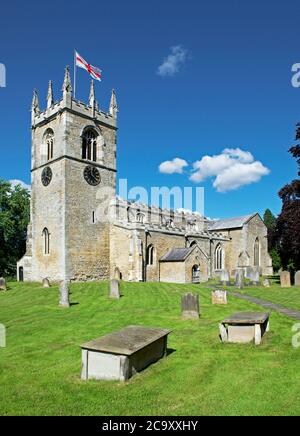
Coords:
49,141
46,236
89,145
256,252
219,257
140,217
130,214
196,274
169,223
150,255
21,274
192,225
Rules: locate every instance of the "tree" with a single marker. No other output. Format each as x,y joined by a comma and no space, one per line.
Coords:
14,218
287,231
269,219
295,150
270,222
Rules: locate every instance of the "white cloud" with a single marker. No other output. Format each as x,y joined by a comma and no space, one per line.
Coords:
173,166
239,175
187,211
16,182
173,62
232,169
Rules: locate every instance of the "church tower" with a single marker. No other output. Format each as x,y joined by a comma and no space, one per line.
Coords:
73,181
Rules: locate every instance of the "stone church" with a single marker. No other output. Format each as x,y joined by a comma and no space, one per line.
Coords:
81,230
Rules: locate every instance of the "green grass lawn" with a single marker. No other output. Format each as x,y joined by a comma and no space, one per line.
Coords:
40,367
287,297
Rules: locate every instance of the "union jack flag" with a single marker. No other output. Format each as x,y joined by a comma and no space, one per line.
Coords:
94,72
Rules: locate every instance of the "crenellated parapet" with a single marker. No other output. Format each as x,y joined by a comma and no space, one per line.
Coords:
90,110
139,216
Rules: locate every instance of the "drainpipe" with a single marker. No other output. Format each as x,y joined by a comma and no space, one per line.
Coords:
210,255
145,254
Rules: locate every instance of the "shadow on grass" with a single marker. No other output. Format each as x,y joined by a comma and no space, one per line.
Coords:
170,351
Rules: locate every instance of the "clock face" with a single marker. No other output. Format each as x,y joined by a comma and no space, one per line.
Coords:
46,176
92,175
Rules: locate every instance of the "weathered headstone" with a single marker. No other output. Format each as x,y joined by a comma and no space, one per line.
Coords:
239,278
114,291
224,277
285,279
255,276
297,278
3,284
117,274
64,294
248,272
46,283
190,305
2,336
219,297
266,283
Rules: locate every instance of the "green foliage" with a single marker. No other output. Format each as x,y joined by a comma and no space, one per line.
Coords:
269,219
276,261
14,218
40,367
286,235
270,222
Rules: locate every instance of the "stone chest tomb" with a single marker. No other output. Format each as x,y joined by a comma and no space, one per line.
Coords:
119,355
244,327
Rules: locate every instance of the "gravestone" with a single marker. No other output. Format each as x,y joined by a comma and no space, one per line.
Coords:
297,278
46,283
266,283
248,272
224,277
117,274
219,297
64,294
2,335
239,278
255,276
285,279
3,284
190,306
114,291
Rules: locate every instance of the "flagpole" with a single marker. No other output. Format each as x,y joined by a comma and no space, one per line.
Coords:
74,73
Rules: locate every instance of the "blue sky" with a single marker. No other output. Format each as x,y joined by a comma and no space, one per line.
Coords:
231,88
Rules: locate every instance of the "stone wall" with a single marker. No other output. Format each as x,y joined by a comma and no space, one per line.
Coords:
128,247
74,212
172,272
240,251
253,229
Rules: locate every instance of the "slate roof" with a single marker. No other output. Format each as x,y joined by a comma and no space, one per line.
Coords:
176,254
230,223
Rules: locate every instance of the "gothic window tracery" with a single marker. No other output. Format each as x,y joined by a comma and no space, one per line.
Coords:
89,145
49,141
219,257
46,236
256,252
